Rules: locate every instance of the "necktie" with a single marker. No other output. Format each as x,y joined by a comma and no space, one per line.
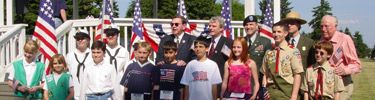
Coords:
319,84
111,58
80,64
293,42
249,43
178,41
212,49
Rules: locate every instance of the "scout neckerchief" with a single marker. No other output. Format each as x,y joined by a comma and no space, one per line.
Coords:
277,59
80,64
319,83
113,57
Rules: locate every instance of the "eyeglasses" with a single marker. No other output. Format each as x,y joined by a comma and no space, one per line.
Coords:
319,52
175,24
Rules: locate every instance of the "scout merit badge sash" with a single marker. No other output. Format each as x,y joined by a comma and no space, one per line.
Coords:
273,66
59,90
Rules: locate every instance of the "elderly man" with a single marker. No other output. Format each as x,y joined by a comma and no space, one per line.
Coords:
184,42
344,55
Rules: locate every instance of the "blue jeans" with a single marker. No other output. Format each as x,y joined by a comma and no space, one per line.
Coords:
103,96
58,22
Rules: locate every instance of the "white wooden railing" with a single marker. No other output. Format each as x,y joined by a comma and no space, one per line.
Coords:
13,37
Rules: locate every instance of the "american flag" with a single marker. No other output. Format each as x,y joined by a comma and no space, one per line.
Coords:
15,83
45,30
338,55
140,33
167,75
181,10
108,20
266,30
225,13
200,76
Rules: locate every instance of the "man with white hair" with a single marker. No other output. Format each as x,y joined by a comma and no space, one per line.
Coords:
344,55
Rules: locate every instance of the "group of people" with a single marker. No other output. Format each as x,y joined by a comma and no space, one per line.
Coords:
197,68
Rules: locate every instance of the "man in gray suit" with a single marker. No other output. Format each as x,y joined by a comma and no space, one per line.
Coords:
304,44
216,27
184,42
258,45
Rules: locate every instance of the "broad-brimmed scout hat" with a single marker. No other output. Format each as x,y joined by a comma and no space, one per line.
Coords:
293,16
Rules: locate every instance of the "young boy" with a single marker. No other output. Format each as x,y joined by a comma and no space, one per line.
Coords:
137,79
282,66
168,76
201,75
99,80
320,83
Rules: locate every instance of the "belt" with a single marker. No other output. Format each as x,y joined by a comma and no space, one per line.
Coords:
101,93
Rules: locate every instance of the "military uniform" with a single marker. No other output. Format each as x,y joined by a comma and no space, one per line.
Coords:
283,62
331,82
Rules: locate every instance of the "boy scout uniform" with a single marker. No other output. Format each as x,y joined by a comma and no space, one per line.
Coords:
331,82
283,62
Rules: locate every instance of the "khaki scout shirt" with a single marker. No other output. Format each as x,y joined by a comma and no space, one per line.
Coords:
290,62
331,82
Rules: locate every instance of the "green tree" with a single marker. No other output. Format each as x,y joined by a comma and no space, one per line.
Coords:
85,7
196,9
237,10
319,12
284,8
362,49
348,32
373,52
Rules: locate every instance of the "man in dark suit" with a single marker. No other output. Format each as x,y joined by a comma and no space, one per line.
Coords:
258,45
304,44
218,41
183,40
216,27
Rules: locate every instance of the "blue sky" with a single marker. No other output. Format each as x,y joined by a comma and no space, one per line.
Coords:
354,14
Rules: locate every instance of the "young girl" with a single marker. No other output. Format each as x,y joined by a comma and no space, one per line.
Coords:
59,85
238,71
28,72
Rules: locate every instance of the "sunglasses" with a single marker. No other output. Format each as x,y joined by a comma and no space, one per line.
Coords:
175,24
79,38
321,53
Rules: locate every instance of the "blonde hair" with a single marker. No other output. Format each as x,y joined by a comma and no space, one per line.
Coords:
31,46
60,58
144,45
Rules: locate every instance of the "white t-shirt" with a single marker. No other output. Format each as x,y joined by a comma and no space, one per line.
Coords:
72,66
200,76
29,68
56,78
100,78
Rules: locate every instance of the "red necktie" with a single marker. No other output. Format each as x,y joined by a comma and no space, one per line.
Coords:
277,60
212,49
319,83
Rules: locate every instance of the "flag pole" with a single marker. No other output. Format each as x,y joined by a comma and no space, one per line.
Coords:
103,13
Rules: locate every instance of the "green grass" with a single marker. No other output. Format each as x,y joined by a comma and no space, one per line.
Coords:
364,82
